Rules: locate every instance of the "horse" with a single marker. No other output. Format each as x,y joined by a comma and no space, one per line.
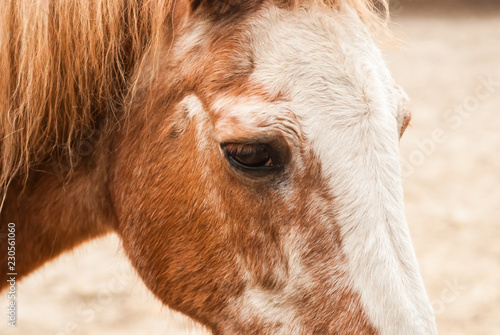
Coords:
245,152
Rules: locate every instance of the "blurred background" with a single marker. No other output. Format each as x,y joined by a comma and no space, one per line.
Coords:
451,155
448,61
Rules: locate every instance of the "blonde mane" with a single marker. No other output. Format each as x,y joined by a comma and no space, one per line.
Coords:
67,64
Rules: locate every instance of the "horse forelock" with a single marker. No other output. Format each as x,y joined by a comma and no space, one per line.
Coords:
65,66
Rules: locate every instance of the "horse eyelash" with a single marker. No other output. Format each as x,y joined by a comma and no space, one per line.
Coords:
238,149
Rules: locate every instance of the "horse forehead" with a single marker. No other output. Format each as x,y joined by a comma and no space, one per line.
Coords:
322,62
309,67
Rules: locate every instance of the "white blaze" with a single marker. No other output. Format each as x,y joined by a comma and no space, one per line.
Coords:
345,98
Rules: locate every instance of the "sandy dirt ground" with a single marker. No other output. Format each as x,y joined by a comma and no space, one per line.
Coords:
450,67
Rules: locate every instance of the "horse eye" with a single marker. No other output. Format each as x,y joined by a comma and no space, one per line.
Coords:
249,156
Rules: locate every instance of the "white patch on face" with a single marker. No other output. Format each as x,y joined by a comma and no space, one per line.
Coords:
277,308
247,112
252,115
344,96
196,35
271,308
193,107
